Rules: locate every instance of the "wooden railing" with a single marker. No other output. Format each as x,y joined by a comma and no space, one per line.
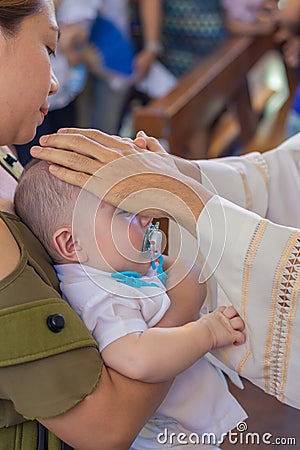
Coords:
218,83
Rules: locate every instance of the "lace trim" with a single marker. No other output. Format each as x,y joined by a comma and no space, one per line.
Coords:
248,195
251,253
261,165
283,309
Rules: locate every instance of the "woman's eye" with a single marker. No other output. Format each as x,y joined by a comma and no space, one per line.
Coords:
50,51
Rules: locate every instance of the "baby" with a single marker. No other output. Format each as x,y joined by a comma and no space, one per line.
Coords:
113,274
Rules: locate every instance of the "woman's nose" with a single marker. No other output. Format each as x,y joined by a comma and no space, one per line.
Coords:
145,221
54,84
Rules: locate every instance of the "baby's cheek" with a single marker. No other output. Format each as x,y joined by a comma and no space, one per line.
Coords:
136,237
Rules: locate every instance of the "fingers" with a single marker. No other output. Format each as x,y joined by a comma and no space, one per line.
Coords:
89,183
239,338
71,160
69,176
140,142
235,319
152,144
106,140
237,323
229,312
81,144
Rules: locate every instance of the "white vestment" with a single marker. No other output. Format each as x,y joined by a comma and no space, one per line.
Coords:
256,260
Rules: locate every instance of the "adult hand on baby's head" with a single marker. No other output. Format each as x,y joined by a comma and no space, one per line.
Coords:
225,326
116,170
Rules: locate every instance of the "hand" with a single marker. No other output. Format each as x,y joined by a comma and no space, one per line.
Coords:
225,326
186,167
140,181
93,60
142,64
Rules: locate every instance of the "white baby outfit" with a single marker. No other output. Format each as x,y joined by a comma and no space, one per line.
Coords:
199,400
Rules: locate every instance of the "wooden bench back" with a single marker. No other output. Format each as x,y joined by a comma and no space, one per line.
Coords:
202,94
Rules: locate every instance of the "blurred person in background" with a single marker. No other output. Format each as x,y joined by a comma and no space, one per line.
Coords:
251,17
120,64
191,30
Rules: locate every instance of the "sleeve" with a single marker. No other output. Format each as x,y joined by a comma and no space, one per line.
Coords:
284,183
37,364
257,262
243,180
267,184
112,317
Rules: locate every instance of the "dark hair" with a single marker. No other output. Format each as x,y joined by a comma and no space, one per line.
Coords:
12,12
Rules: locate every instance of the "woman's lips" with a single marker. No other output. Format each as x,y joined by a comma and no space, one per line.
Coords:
44,111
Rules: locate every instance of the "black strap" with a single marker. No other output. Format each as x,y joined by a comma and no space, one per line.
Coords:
42,438
65,446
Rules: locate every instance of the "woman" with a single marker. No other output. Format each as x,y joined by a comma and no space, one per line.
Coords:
51,371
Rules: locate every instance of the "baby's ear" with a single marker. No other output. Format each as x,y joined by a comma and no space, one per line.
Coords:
68,248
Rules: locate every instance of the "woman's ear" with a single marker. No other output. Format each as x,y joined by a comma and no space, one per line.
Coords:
67,247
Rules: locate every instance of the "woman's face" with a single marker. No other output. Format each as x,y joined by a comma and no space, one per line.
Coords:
26,77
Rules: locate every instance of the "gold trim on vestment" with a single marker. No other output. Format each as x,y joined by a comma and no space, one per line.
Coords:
282,311
250,255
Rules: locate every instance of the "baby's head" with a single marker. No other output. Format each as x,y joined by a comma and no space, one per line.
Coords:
45,204
97,234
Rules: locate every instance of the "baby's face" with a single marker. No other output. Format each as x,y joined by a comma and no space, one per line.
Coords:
119,239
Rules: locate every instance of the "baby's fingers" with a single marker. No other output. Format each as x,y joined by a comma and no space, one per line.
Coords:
237,323
239,338
230,312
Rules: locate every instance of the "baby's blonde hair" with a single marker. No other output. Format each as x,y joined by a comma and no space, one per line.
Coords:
45,203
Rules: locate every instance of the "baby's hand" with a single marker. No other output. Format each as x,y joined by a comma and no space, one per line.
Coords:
225,326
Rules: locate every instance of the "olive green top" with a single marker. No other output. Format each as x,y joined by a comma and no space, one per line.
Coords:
45,369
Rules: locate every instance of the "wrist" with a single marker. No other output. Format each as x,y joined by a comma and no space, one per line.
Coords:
194,197
208,332
188,168
154,47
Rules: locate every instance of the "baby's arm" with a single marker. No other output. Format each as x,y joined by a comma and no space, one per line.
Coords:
159,354
186,293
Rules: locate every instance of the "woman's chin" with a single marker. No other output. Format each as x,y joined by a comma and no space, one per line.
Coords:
25,138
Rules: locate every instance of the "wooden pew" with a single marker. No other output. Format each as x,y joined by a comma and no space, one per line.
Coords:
201,96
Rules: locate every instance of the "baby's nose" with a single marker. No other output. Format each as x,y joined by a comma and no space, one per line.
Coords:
145,221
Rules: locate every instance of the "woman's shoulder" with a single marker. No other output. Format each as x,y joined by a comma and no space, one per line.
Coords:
10,249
